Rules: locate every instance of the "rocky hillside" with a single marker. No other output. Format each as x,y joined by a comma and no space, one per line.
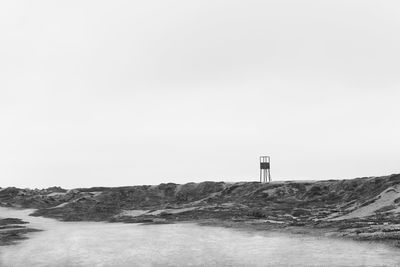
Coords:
291,202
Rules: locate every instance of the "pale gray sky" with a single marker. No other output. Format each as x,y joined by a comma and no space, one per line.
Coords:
143,92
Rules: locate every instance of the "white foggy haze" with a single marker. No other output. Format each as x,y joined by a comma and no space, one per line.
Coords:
142,92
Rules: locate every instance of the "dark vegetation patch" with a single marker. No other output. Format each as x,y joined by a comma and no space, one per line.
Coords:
8,221
12,230
385,208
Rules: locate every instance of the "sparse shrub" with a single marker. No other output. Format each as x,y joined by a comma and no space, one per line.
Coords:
257,213
394,177
301,212
315,191
331,196
385,208
368,202
297,224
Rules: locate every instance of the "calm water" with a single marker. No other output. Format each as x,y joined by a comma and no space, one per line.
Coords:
106,244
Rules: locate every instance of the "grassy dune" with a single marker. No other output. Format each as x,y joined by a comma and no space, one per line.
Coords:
362,209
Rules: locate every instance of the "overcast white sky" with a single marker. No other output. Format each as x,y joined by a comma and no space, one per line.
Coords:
143,92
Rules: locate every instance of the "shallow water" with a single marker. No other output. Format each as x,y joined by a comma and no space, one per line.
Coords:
117,244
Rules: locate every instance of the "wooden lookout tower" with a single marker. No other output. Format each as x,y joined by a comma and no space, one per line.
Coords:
265,169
